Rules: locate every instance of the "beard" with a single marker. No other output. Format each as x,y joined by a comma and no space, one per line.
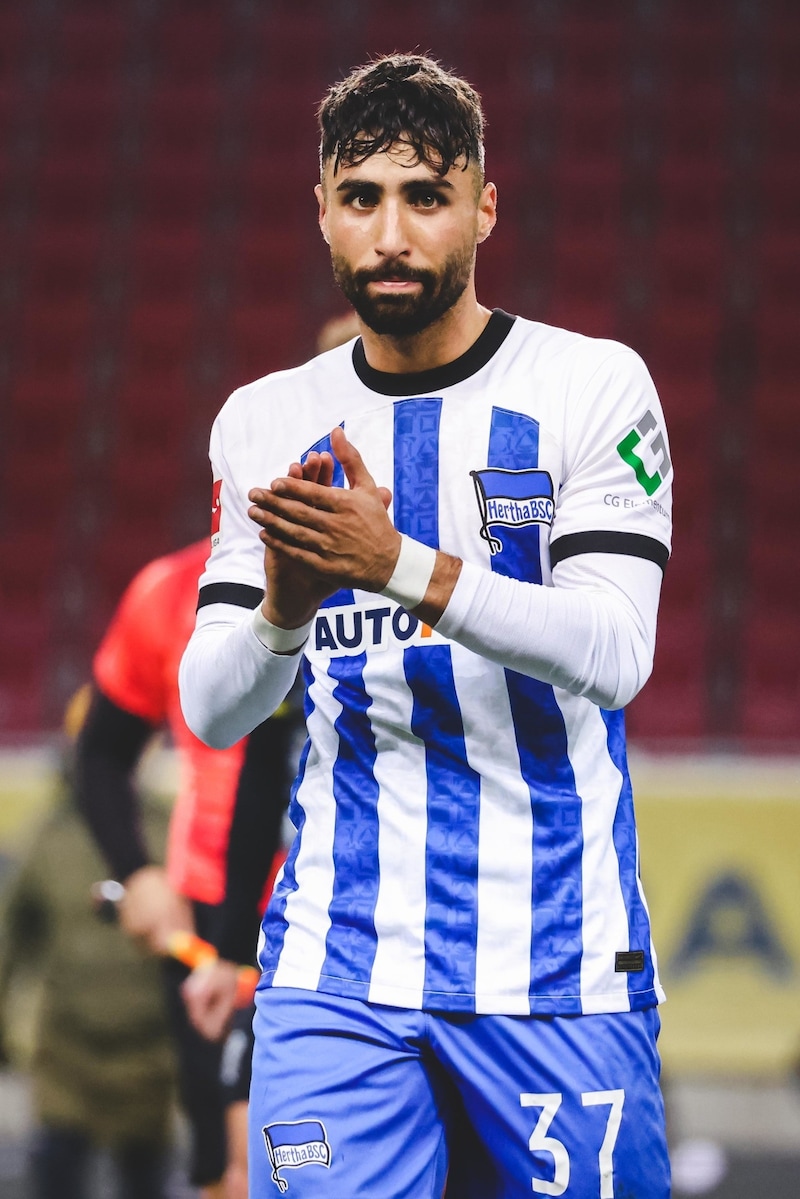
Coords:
405,315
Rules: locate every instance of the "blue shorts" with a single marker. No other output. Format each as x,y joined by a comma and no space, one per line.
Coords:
351,1100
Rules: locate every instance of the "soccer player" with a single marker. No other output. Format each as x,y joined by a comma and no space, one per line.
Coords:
458,523
135,694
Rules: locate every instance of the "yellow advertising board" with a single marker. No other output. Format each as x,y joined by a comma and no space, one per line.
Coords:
720,860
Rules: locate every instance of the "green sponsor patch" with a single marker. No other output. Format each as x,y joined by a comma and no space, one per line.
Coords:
626,449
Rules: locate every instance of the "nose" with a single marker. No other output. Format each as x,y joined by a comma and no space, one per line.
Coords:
391,235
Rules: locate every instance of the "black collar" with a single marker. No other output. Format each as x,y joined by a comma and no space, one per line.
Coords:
438,377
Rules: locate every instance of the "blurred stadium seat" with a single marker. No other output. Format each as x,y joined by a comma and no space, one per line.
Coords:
153,257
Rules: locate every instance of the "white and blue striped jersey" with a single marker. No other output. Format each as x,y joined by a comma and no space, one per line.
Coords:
465,832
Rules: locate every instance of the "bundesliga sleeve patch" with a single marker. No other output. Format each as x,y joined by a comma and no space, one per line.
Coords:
216,512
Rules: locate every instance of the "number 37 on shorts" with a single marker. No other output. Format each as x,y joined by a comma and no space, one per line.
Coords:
547,1147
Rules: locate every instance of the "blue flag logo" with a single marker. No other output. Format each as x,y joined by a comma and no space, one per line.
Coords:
512,498
298,1143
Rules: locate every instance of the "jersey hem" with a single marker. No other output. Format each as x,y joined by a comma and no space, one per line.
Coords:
481,1005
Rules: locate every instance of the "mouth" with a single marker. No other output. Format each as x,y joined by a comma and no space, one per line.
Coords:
395,285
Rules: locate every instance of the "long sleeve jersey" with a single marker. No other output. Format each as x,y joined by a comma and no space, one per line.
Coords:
466,837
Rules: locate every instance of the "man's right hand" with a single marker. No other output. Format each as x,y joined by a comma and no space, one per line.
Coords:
210,994
293,593
150,911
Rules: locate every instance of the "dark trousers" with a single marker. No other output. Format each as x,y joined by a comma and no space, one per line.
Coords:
61,1161
200,1088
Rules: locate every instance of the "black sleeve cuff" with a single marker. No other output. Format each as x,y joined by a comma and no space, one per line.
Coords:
603,541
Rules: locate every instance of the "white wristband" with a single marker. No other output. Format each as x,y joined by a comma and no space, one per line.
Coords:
412,573
276,639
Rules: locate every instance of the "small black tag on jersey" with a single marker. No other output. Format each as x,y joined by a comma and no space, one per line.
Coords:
629,962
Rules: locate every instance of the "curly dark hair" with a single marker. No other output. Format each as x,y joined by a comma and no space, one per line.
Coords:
402,97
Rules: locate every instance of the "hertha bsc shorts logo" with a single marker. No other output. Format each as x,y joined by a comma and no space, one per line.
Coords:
512,498
298,1143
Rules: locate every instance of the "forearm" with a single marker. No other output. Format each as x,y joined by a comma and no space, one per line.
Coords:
108,749
229,681
586,634
254,838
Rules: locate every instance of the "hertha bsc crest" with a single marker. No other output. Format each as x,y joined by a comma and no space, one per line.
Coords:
297,1143
512,498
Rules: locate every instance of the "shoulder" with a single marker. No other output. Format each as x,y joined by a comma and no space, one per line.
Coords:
579,374
576,352
263,394
291,407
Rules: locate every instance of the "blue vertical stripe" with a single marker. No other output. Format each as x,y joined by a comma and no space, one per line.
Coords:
453,787
514,445
556,933
339,598
351,941
625,846
275,923
416,469
453,803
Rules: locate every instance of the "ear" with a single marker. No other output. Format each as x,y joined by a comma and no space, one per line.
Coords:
487,211
319,192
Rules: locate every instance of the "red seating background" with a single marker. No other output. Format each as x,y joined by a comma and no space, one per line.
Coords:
158,248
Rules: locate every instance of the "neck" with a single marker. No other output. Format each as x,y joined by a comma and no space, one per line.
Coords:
443,342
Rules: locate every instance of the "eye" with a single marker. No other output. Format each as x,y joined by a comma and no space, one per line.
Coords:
363,199
427,199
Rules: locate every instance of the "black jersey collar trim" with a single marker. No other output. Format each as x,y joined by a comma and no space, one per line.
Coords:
439,377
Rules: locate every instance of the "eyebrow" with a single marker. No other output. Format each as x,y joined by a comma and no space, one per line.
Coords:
412,185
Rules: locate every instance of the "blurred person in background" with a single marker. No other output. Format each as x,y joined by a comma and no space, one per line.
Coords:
134,695
102,1064
219,870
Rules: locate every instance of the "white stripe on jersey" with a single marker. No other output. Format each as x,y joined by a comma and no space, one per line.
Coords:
505,841
398,971
463,424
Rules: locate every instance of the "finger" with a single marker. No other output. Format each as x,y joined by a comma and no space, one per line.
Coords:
310,468
292,525
316,468
293,542
352,462
386,496
312,495
257,495
294,484
291,512
325,469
